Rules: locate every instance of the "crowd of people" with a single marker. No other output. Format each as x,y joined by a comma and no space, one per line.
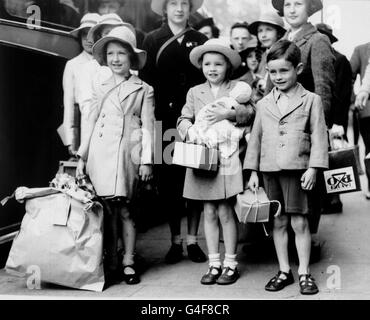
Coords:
297,91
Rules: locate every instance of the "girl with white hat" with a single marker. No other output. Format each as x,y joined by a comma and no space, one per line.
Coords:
118,150
217,191
269,28
72,82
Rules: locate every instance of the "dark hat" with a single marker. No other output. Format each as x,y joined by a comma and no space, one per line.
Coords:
203,23
327,30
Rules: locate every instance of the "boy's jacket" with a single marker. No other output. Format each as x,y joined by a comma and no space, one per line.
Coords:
293,141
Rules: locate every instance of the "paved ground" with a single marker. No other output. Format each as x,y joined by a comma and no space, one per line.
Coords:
343,272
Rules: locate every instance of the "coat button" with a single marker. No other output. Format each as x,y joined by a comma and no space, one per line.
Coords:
282,133
170,104
102,125
281,145
282,122
103,115
100,134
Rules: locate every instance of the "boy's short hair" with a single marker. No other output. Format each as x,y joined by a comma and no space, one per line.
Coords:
285,49
243,24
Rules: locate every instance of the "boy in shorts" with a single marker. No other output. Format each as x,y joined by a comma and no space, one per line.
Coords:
288,145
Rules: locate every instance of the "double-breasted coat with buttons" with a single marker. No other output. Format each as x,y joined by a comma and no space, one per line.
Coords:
228,180
121,122
295,140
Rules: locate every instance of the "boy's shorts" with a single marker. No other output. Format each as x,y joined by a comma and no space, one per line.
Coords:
285,186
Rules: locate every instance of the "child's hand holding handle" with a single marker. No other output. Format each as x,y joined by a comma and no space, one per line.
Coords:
253,182
308,179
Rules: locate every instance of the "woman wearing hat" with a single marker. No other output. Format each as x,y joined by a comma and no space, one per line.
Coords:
169,71
118,148
217,191
318,75
72,82
268,29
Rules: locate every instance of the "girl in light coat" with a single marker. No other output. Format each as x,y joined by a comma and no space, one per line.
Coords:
118,148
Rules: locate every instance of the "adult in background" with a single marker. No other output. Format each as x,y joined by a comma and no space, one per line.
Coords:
341,103
207,27
360,65
117,7
72,83
169,71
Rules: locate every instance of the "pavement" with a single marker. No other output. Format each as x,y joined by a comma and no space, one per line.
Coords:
342,272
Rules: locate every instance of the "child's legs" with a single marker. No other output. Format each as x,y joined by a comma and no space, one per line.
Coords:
229,226
110,235
274,191
302,240
194,209
128,234
211,227
280,236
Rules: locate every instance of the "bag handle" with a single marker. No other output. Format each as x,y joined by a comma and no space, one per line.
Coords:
169,41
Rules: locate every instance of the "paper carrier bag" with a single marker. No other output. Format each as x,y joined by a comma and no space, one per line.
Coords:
62,237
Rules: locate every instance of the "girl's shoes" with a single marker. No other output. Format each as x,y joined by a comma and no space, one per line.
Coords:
307,284
278,283
130,278
228,276
211,276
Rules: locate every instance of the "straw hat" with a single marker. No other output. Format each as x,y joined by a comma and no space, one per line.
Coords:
269,17
124,35
88,21
157,6
327,30
215,45
111,19
313,6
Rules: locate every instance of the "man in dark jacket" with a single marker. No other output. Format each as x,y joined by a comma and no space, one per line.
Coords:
340,104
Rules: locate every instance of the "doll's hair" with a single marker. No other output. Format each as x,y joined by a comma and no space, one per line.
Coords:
285,49
131,53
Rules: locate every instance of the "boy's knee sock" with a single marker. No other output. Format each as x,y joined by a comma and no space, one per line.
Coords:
190,239
230,261
214,260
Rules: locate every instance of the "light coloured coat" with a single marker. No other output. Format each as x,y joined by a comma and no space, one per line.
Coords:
295,140
120,139
228,181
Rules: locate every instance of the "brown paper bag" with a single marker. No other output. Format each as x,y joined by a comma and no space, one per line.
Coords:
62,237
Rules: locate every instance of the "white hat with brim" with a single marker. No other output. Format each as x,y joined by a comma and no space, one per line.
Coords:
215,45
313,6
124,35
157,6
88,21
268,17
110,19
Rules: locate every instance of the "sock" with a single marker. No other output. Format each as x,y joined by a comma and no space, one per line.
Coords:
190,239
230,261
128,259
214,260
176,239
